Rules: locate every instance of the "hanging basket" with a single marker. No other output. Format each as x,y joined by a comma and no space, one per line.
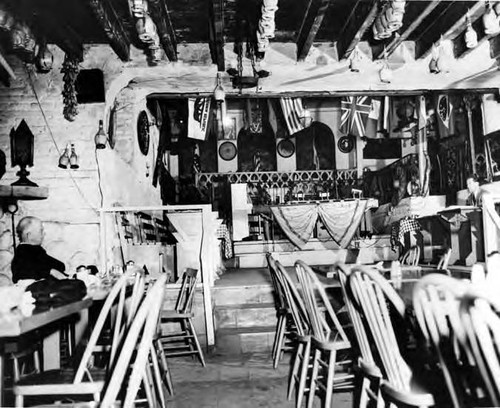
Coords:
245,81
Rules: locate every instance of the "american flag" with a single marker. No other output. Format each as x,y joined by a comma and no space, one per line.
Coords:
292,111
355,110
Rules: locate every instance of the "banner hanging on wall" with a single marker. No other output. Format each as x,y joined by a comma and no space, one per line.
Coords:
199,117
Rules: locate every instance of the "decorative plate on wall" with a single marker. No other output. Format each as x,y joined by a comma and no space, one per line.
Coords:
227,151
112,127
143,132
346,144
286,148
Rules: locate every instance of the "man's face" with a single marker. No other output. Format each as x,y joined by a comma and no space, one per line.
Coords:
472,185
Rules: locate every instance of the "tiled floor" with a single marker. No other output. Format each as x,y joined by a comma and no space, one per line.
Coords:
246,382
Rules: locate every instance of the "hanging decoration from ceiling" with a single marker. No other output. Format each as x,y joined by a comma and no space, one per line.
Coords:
389,19
70,70
246,23
266,26
146,30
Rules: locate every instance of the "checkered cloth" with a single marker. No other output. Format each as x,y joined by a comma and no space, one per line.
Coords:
400,228
227,245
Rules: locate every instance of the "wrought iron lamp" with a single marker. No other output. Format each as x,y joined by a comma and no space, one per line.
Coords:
22,145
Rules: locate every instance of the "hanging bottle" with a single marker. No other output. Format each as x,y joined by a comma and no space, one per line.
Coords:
100,137
73,158
355,61
64,159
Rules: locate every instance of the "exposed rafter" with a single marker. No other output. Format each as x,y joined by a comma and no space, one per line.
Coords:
108,19
6,67
159,14
475,12
467,51
495,47
216,28
394,44
311,23
349,38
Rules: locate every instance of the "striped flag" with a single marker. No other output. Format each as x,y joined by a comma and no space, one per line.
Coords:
292,111
377,123
355,110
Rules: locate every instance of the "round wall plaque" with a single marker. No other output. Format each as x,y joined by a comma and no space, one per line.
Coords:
286,148
346,144
227,151
143,132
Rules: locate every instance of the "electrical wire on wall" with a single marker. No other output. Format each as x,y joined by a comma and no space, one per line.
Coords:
55,143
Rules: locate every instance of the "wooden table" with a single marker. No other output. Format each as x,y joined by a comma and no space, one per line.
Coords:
20,325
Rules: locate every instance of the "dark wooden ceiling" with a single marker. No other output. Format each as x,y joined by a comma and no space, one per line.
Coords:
72,23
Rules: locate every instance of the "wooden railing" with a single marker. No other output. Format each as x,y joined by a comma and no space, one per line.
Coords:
280,187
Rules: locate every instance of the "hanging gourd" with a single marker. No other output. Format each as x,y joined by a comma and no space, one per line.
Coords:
433,62
355,64
70,70
470,34
490,20
443,61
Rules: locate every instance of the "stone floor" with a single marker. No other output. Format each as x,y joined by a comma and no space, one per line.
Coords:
229,382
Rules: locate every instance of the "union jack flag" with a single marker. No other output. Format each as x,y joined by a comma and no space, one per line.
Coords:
355,111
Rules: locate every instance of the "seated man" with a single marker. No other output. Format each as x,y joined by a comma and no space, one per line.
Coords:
30,259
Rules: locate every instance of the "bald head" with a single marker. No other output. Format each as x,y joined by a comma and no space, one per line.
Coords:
30,230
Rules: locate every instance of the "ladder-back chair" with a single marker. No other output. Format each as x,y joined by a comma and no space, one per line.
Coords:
436,300
84,380
372,376
284,333
185,341
329,342
371,293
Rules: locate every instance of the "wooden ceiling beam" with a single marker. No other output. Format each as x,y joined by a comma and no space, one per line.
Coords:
216,33
6,67
475,12
396,42
111,23
349,41
159,13
311,23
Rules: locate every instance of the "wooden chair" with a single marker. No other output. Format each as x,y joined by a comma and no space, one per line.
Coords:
411,257
302,338
137,343
445,259
436,301
84,380
185,341
132,359
479,315
329,343
372,376
285,330
371,293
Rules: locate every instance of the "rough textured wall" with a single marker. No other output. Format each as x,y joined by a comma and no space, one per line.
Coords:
70,212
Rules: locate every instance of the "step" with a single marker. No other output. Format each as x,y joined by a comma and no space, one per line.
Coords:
245,315
320,257
234,295
251,247
244,340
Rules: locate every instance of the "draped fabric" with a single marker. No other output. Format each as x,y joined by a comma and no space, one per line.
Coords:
296,221
341,220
